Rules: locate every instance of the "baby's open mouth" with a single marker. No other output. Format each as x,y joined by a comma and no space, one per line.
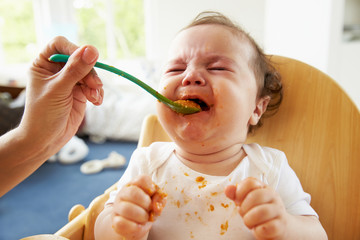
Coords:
195,103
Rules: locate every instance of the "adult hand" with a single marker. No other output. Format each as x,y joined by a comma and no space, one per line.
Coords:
57,93
55,105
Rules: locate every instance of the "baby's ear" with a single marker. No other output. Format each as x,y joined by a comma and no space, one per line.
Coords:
260,108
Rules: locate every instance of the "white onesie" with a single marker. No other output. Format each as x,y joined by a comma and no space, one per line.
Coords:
197,207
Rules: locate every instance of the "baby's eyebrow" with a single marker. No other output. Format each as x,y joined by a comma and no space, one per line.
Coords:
207,59
174,62
220,58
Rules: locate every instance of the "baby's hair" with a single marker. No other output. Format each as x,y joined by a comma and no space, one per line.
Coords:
268,79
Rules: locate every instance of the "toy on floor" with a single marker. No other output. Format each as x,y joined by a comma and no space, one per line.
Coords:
114,160
74,151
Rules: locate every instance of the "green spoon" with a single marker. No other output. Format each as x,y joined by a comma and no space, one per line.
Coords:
177,107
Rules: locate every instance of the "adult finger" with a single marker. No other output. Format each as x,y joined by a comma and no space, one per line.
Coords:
78,66
57,45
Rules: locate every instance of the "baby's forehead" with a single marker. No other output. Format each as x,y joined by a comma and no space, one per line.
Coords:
238,38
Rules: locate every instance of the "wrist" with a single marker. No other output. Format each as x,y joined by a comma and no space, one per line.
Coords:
31,144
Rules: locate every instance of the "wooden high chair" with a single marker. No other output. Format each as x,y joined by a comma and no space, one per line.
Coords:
318,128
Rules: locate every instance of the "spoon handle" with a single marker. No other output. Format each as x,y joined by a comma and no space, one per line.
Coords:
156,94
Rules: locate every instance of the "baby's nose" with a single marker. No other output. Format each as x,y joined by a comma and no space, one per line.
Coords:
193,78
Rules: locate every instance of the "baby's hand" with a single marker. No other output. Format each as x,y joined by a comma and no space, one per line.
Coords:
261,208
136,206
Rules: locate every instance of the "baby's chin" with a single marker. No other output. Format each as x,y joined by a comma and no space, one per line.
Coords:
200,149
197,144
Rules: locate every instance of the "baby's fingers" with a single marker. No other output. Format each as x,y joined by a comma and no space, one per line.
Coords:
230,192
145,183
129,229
257,197
270,229
135,195
131,212
260,215
239,192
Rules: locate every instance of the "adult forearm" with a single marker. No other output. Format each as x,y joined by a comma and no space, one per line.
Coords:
19,157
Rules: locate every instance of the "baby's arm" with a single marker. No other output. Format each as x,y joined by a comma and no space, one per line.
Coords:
131,215
264,213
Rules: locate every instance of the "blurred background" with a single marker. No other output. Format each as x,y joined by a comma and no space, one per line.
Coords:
323,33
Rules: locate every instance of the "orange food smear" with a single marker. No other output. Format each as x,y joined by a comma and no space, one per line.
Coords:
200,179
158,206
212,207
224,228
225,205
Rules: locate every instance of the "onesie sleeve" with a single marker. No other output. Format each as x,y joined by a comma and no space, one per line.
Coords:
144,161
297,202
135,168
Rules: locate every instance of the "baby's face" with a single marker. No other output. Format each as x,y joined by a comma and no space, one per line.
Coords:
209,64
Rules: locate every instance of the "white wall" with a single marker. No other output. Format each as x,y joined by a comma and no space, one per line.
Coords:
164,18
307,30
312,31
344,59
299,29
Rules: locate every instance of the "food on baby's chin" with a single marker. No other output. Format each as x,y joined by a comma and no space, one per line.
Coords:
158,200
188,104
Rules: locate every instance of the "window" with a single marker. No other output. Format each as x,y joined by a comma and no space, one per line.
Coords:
115,27
17,31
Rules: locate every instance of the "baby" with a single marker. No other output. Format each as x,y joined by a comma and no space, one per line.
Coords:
209,184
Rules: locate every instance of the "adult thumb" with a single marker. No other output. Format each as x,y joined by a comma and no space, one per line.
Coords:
80,64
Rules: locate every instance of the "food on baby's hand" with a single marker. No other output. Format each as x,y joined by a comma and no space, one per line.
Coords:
158,201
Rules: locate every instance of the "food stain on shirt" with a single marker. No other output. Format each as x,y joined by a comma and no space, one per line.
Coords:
194,215
202,181
224,228
211,208
225,205
182,200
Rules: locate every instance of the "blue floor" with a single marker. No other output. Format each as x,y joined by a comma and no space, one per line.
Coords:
40,204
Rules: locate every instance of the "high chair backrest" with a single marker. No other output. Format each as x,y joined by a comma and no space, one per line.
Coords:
318,128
